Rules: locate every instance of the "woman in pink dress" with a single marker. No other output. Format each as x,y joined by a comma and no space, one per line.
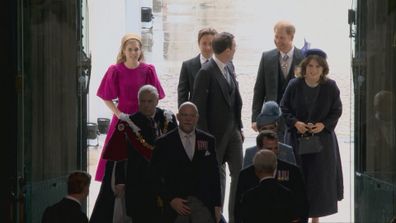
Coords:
122,81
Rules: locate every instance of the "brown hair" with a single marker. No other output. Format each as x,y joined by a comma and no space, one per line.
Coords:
221,42
77,181
321,61
206,31
265,134
124,41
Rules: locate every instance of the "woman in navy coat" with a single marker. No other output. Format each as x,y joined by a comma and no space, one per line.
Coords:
311,104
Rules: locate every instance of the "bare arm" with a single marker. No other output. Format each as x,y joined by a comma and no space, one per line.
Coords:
113,108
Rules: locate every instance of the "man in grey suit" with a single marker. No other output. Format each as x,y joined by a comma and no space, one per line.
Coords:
219,102
275,70
191,67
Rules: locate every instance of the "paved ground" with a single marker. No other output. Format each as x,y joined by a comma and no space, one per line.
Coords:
173,39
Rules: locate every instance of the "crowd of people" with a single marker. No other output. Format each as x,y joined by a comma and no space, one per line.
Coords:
160,167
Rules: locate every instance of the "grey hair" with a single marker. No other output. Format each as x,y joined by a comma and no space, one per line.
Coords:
265,161
148,89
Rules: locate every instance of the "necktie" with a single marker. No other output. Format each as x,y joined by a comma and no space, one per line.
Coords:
227,76
284,65
189,147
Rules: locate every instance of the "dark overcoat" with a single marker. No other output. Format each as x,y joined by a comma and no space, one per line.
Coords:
322,171
188,72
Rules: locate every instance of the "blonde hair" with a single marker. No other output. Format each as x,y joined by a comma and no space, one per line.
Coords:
125,39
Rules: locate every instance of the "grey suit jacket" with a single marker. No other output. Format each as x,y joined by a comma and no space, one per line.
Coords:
266,86
211,96
285,153
188,72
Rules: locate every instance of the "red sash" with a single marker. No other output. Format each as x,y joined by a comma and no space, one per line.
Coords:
117,147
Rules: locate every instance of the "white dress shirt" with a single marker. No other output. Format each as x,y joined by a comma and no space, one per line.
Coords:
189,149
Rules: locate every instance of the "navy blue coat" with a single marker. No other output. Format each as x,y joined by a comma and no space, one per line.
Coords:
322,171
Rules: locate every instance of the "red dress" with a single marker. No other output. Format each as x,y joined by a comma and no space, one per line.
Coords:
123,83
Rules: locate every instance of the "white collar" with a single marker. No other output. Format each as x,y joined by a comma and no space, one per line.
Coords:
73,198
290,53
202,59
220,64
265,178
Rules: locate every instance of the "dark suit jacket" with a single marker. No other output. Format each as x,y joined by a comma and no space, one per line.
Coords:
182,177
266,86
65,211
267,202
188,72
287,175
211,95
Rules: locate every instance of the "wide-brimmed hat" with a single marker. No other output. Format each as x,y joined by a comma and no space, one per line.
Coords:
317,52
270,113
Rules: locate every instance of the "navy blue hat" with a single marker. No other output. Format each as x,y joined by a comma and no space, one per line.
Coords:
270,113
317,52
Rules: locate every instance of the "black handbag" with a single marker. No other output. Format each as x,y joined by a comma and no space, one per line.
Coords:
309,144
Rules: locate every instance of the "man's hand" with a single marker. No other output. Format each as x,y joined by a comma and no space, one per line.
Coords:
180,206
218,214
254,126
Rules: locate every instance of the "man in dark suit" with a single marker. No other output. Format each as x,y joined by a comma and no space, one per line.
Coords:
69,208
134,181
276,69
286,174
185,160
269,201
191,67
216,94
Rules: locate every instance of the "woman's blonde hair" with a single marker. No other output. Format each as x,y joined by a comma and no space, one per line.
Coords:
125,39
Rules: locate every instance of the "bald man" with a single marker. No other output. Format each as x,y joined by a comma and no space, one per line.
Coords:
185,160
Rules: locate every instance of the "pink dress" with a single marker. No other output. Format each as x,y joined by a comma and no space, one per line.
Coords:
124,83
